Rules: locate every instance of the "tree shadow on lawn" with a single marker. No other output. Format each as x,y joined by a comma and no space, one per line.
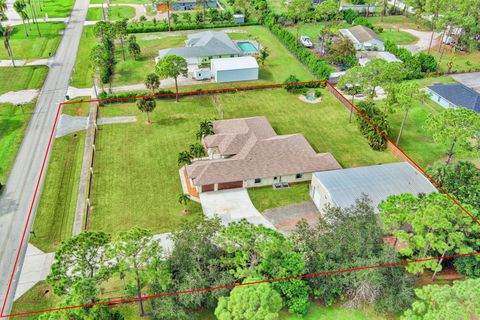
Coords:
9,125
171,121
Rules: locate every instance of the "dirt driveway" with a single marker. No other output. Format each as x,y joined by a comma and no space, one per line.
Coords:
286,218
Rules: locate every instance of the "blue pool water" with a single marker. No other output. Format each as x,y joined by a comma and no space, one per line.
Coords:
247,47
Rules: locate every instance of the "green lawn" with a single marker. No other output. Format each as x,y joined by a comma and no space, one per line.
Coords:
56,8
318,312
267,198
136,180
119,1
279,65
313,29
56,210
398,37
34,46
78,109
462,61
325,125
400,22
13,123
22,78
115,13
35,299
82,72
416,141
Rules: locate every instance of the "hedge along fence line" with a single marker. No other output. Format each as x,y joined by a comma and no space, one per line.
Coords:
391,147
135,28
320,68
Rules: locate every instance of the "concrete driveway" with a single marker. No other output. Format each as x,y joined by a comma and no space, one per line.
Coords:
471,80
232,205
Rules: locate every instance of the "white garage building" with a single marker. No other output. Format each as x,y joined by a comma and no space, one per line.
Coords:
234,69
340,188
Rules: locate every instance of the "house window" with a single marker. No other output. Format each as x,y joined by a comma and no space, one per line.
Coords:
258,180
299,176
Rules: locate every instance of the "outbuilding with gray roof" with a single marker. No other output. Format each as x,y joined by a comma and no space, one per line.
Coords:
341,188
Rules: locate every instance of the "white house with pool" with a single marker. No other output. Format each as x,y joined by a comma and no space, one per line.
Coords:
200,48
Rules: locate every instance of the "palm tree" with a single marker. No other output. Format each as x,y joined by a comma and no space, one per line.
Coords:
3,6
6,32
146,105
184,199
262,55
206,128
34,15
20,8
152,82
197,150
184,157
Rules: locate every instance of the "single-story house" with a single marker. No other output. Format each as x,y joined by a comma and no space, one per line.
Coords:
247,152
367,56
454,95
363,38
340,188
187,5
201,47
359,8
234,69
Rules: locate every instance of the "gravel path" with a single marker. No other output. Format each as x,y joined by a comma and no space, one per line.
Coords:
423,40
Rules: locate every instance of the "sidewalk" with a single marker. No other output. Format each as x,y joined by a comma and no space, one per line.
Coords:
23,63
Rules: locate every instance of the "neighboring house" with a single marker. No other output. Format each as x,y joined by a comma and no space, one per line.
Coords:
234,69
359,8
340,188
454,95
203,46
246,152
363,38
366,56
187,5
238,18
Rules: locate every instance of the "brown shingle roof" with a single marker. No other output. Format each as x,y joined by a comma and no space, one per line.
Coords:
363,34
258,153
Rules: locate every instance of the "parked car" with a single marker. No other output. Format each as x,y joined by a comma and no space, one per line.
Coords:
306,42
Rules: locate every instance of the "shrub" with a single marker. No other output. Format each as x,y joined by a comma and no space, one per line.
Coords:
318,93
291,86
349,15
363,22
375,140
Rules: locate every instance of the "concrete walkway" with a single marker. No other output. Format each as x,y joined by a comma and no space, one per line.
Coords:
36,268
16,97
113,120
24,63
69,124
232,205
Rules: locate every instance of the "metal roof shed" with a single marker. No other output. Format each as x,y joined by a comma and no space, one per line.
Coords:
234,69
342,187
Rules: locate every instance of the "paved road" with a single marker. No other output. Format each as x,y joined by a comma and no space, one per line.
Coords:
16,198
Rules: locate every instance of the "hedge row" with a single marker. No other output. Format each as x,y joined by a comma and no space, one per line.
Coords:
129,96
416,64
320,68
375,140
136,28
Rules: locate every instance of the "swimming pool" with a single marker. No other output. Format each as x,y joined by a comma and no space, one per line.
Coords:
247,47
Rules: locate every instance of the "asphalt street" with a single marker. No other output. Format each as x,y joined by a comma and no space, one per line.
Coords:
17,196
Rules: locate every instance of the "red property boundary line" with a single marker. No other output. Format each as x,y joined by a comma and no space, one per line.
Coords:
201,92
